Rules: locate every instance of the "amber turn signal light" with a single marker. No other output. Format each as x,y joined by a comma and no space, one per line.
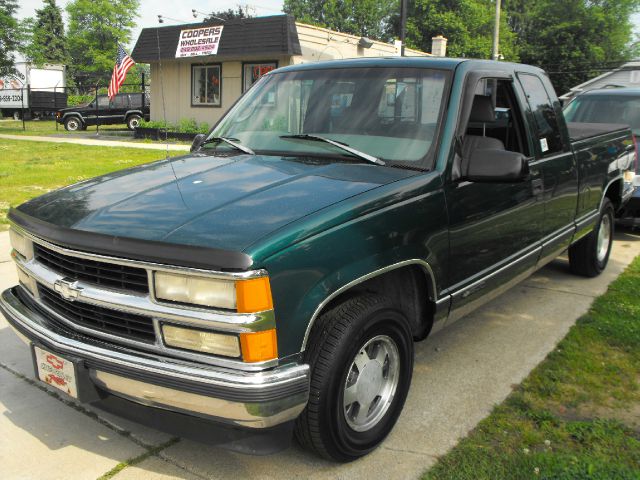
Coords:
253,295
259,346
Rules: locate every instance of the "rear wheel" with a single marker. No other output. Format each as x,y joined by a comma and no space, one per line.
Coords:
361,358
133,121
72,124
590,255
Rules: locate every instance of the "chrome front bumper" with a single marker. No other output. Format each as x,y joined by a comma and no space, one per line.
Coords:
254,400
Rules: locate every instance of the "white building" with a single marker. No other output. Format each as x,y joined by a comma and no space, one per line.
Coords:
627,75
199,70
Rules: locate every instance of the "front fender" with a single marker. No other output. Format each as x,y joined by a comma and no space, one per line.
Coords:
306,275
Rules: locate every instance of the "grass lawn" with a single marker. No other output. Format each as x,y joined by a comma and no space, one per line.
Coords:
577,415
48,127
29,169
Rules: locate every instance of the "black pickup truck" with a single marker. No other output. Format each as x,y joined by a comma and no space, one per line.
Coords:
126,108
276,278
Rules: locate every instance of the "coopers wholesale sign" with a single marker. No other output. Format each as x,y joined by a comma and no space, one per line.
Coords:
198,41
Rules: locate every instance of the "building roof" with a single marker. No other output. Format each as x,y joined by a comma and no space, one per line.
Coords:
274,35
618,77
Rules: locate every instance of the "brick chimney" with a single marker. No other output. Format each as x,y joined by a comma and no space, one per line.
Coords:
439,46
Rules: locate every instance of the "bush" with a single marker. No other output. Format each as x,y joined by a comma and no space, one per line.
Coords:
74,100
185,125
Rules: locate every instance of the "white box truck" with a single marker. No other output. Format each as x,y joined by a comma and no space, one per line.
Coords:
33,91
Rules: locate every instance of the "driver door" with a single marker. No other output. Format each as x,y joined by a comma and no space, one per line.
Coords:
493,227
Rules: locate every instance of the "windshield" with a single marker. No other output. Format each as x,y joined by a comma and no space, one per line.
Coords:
605,109
388,113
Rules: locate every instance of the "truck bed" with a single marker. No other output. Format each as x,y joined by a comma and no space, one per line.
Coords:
582,131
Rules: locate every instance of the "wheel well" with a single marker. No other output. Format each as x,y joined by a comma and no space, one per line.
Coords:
409,288
614,193
73,115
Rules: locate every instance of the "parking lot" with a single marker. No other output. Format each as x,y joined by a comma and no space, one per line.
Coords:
460,374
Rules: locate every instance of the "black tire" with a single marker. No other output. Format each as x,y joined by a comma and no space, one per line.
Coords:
72,124
590,255
335,344
133,121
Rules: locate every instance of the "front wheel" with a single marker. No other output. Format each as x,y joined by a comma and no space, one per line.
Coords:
72,124
361,358
590,255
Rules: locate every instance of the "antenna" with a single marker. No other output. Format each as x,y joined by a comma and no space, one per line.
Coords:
164,117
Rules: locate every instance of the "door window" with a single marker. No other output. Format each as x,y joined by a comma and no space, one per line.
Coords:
546,120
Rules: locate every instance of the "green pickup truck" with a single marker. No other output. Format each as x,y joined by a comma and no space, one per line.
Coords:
273,281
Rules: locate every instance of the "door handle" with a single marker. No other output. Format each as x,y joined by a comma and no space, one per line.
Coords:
537,187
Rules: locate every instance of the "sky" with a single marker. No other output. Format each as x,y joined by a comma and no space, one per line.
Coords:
180,10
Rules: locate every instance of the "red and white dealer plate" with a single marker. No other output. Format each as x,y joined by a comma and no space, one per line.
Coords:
56,371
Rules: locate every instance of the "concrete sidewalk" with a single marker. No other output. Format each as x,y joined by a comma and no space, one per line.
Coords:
460,374
98,143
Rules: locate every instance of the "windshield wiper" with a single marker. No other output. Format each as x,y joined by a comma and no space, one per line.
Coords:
342,146
230,141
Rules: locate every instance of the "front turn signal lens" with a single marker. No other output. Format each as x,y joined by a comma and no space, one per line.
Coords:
259,346
253,295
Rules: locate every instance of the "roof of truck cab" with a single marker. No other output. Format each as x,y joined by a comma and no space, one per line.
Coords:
442,63
611,92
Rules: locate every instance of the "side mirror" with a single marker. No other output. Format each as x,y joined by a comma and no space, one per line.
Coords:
496,166
197,142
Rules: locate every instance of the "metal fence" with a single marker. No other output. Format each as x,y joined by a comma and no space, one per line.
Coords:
37,109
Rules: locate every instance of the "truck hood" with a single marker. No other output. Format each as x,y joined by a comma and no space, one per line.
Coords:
207,201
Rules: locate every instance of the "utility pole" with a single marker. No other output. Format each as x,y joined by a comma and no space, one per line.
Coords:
403,24
495,54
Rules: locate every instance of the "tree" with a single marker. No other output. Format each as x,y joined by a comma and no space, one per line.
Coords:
9,36
48,43
467,24
573,40
229,14
95,28
368,18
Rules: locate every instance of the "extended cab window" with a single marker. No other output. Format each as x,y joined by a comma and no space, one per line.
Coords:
546,120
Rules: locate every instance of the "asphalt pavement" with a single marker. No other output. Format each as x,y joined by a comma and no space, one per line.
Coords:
460,374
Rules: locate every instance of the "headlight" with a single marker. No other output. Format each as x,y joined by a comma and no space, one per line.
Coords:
244,296
21,244
201,341
209,292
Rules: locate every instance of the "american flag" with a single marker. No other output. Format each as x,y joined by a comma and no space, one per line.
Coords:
123,63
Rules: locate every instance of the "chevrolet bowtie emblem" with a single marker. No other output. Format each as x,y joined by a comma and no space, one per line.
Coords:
67,288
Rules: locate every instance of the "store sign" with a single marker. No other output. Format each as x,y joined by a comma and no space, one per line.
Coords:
199,41
13,89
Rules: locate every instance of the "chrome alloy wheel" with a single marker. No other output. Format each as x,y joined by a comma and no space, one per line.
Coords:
604,238
371,383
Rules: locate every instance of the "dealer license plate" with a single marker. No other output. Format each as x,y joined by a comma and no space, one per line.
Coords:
56,371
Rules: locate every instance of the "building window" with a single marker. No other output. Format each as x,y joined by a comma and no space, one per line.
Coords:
253,71
206,85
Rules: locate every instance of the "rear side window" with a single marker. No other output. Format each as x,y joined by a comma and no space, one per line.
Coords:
546,120
121,101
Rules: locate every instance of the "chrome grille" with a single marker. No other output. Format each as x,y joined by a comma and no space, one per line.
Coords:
105,274
123,324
